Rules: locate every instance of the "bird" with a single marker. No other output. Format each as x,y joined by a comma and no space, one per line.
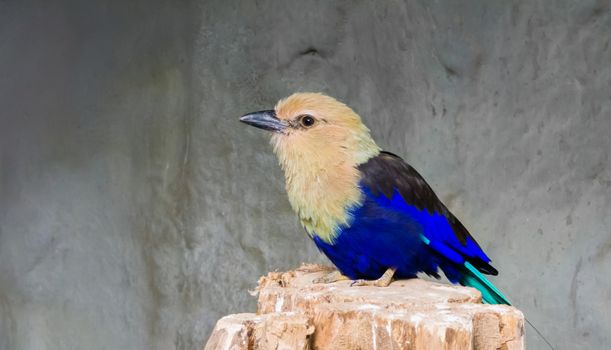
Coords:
370,212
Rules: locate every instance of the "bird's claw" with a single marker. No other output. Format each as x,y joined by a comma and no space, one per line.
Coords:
372,283
383,281
330,278
360,283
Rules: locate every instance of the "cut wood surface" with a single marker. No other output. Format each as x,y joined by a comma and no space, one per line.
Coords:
295,313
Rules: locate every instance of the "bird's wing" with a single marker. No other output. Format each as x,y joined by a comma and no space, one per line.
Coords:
404,188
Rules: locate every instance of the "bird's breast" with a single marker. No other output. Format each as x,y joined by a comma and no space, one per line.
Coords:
323,200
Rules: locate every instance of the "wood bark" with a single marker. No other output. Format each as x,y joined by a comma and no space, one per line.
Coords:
295,313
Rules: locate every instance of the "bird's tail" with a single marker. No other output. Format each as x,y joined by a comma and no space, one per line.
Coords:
467,275
471,277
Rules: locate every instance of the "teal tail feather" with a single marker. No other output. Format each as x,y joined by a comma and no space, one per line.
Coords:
473,278
490,294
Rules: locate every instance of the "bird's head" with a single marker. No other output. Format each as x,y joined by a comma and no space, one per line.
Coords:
319,142
315,128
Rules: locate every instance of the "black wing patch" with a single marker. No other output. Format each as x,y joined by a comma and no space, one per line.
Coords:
387,172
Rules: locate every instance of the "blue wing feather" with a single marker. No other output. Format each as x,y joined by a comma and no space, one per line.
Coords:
387,232
402,224
387,228
435,226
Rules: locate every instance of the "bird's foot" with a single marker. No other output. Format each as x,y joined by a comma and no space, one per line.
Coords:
331,277
383,281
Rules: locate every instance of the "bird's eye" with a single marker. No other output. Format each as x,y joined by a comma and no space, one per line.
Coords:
307,120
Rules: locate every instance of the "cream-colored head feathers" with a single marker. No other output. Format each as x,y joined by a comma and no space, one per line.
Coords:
319,157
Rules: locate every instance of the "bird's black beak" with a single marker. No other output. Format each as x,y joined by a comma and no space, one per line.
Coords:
265,120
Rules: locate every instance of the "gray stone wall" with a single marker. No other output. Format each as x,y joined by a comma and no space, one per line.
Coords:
135,210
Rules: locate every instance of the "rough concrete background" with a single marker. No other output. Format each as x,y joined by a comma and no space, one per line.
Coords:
135,210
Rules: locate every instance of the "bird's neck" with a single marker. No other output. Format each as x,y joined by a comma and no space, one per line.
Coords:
323,186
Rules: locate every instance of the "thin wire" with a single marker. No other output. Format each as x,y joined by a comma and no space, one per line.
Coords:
539,333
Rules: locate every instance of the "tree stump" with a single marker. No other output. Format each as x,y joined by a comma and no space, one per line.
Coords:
294,313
